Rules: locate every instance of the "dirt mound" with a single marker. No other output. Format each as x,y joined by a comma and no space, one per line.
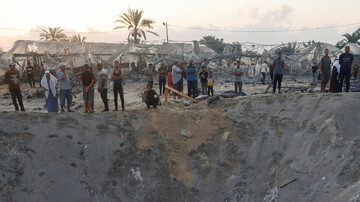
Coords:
290,147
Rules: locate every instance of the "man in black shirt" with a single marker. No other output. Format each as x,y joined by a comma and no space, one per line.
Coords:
314,72
150,98
204,80
88,81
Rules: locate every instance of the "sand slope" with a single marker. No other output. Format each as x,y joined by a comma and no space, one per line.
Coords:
242,149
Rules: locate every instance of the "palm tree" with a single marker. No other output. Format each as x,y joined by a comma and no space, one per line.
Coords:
53,34
78,38
351,38
132,20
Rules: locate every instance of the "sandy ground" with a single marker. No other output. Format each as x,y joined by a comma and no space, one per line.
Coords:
242,149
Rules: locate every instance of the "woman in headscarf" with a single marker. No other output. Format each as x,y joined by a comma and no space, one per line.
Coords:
334,82
49,83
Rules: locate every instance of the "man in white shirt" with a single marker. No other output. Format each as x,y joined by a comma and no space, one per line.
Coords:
103,85
263,72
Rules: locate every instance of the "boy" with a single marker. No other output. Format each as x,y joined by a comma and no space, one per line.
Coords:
210,84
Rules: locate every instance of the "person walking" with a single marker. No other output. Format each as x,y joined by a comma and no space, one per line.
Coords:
162,77
65,87
103,85
49,83
238,74
314,70
12,77
278,72
149,73
30,74
117,76
263,72
204,80
191,79
88,81
176,76
150,98
346,60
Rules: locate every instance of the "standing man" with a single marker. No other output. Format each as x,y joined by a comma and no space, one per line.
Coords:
263,72
238,73
150,98
162,77
204,64
88,81
325,69
30,74
149,73
117,76
103,85
204,80
191,79
183,72
12,77
314,70
65,87
278,69
176,76
49,83
346,60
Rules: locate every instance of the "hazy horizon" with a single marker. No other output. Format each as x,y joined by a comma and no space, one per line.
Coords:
92,16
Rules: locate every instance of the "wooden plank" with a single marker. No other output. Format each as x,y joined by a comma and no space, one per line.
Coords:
182,94
166,94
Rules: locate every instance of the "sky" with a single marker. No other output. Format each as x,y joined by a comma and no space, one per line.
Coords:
266,15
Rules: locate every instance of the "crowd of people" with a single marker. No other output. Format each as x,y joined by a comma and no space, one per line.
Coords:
173,75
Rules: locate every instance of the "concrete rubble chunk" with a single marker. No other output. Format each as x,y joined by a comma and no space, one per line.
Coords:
187,134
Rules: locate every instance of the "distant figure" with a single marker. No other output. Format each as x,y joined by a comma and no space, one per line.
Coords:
346,60
183,72
162,77
176,76
12,77
314,70
41,72
191,79
65,87
204,64
149,73
278,69
170,80
334,82
210,83
204,80
271,72
356,70
88,81
238,73
150,98
49,83
30,74
263,72
325,68
117,76
103,85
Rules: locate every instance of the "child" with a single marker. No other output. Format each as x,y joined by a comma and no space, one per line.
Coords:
210,84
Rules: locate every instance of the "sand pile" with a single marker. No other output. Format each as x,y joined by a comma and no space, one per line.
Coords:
289,147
